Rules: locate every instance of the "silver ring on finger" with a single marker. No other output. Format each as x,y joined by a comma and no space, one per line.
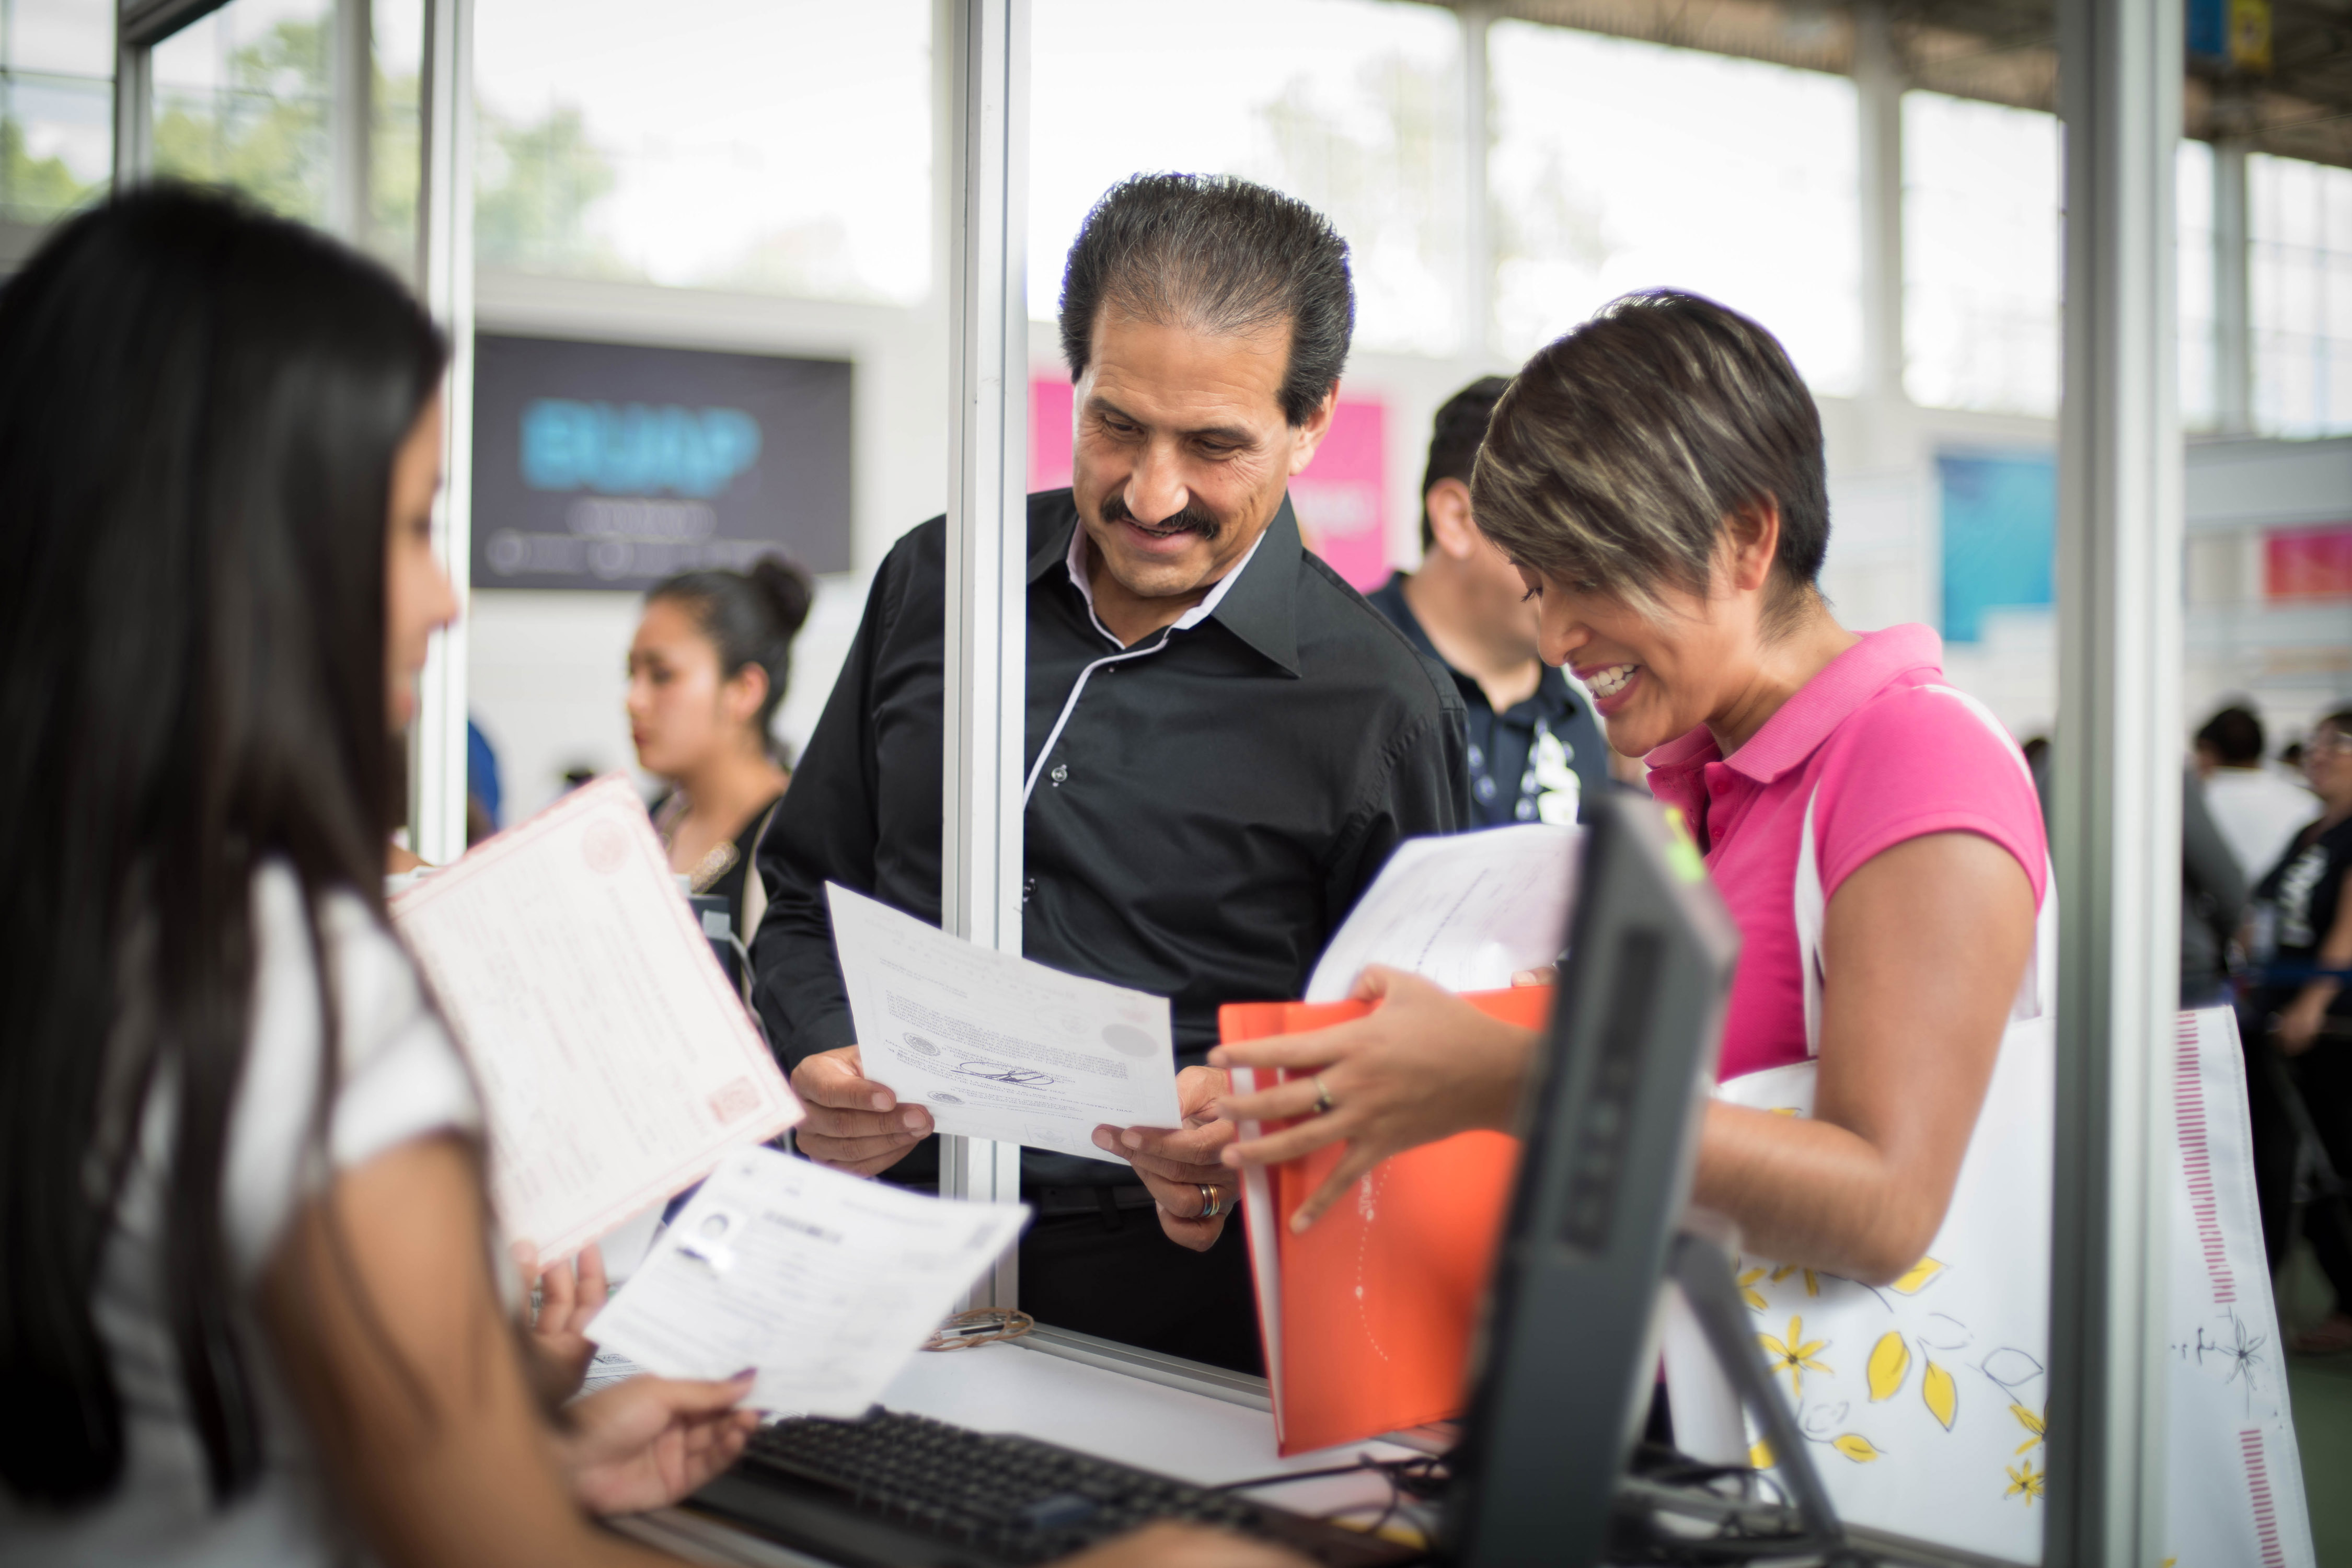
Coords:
1213,1201
1322,1097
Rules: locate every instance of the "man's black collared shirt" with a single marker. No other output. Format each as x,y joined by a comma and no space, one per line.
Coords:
1209,814
1539,760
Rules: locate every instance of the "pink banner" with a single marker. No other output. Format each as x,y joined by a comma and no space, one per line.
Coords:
2308,563
1341,498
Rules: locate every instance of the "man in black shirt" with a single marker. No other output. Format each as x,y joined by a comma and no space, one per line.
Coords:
1224,741
1536,750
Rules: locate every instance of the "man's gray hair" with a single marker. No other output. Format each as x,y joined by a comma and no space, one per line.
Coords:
1218,254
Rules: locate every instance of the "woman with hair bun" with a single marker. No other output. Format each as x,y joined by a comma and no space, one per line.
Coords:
709,663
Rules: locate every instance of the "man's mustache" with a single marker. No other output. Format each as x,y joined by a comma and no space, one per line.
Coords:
1189,521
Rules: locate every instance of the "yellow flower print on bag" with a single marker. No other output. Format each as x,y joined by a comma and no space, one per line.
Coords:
1794,1357
1941,1393
1890,1363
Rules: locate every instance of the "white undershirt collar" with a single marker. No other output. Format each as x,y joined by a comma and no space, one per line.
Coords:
1076,563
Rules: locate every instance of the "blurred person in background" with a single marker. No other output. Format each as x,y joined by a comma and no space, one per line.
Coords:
1535,749
2258,810
2304,944
709,663
2212,887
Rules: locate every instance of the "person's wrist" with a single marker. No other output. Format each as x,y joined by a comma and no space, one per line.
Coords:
1505,1070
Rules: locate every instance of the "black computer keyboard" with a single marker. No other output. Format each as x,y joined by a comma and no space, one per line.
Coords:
907,1491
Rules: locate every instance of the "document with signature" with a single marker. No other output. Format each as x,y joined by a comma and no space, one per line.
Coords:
1467,910
827,1283
997,1046
616,1063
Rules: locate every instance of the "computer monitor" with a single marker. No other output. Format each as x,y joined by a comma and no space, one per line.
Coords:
1608,1123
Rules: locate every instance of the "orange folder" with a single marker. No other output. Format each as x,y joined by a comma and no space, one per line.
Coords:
1367,1318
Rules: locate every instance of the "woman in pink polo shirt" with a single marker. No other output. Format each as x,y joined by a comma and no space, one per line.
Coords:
1657,478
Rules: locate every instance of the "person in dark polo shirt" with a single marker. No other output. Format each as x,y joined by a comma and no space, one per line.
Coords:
1536,750
1225,742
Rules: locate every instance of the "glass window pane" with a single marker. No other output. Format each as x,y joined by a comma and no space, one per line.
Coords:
57,105
2300,245
779,145
71,37
1623,166
1348,105
241,100
1980,244
57,144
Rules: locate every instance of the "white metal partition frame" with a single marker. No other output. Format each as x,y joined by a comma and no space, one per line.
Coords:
139,26
445,277
351,117
1878,103
1478,335
986,687
2117,833
2233,305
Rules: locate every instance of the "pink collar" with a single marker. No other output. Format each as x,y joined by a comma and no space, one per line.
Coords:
1801,724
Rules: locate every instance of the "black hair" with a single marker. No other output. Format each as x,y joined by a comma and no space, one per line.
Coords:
1454,439
751,617
1221,254
199,412
1620,451
2235,736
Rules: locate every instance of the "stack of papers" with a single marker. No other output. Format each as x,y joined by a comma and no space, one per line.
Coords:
1469,910
824,1282
616,1063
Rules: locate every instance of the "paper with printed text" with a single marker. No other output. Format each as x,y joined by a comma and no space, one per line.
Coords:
616,1061
1468,910
998,1046
827,1283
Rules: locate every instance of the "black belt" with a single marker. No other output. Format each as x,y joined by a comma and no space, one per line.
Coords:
1055,1203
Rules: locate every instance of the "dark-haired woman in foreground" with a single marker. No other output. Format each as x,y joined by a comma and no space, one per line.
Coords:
1657,476
707,667
248,1309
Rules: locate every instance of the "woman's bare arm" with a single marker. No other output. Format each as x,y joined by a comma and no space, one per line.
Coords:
409,1376
1922,952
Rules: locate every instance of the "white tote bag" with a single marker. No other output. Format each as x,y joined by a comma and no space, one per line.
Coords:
1923,1400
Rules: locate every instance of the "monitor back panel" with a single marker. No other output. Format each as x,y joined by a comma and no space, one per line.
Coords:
1610,1122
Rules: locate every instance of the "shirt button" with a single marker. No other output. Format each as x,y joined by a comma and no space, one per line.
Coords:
1061,770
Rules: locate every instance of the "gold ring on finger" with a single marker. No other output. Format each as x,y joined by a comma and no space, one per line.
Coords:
1322,1097
1213,1201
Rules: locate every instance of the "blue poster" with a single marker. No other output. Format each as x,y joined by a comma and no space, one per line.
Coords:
2001,535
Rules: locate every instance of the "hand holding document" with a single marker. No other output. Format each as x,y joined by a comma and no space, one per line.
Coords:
825,1283
994,1046
1468,910
616,1063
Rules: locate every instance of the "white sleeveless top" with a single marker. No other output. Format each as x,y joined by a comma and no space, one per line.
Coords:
401,1080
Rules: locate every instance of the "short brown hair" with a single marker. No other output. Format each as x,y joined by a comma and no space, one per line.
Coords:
1622,448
